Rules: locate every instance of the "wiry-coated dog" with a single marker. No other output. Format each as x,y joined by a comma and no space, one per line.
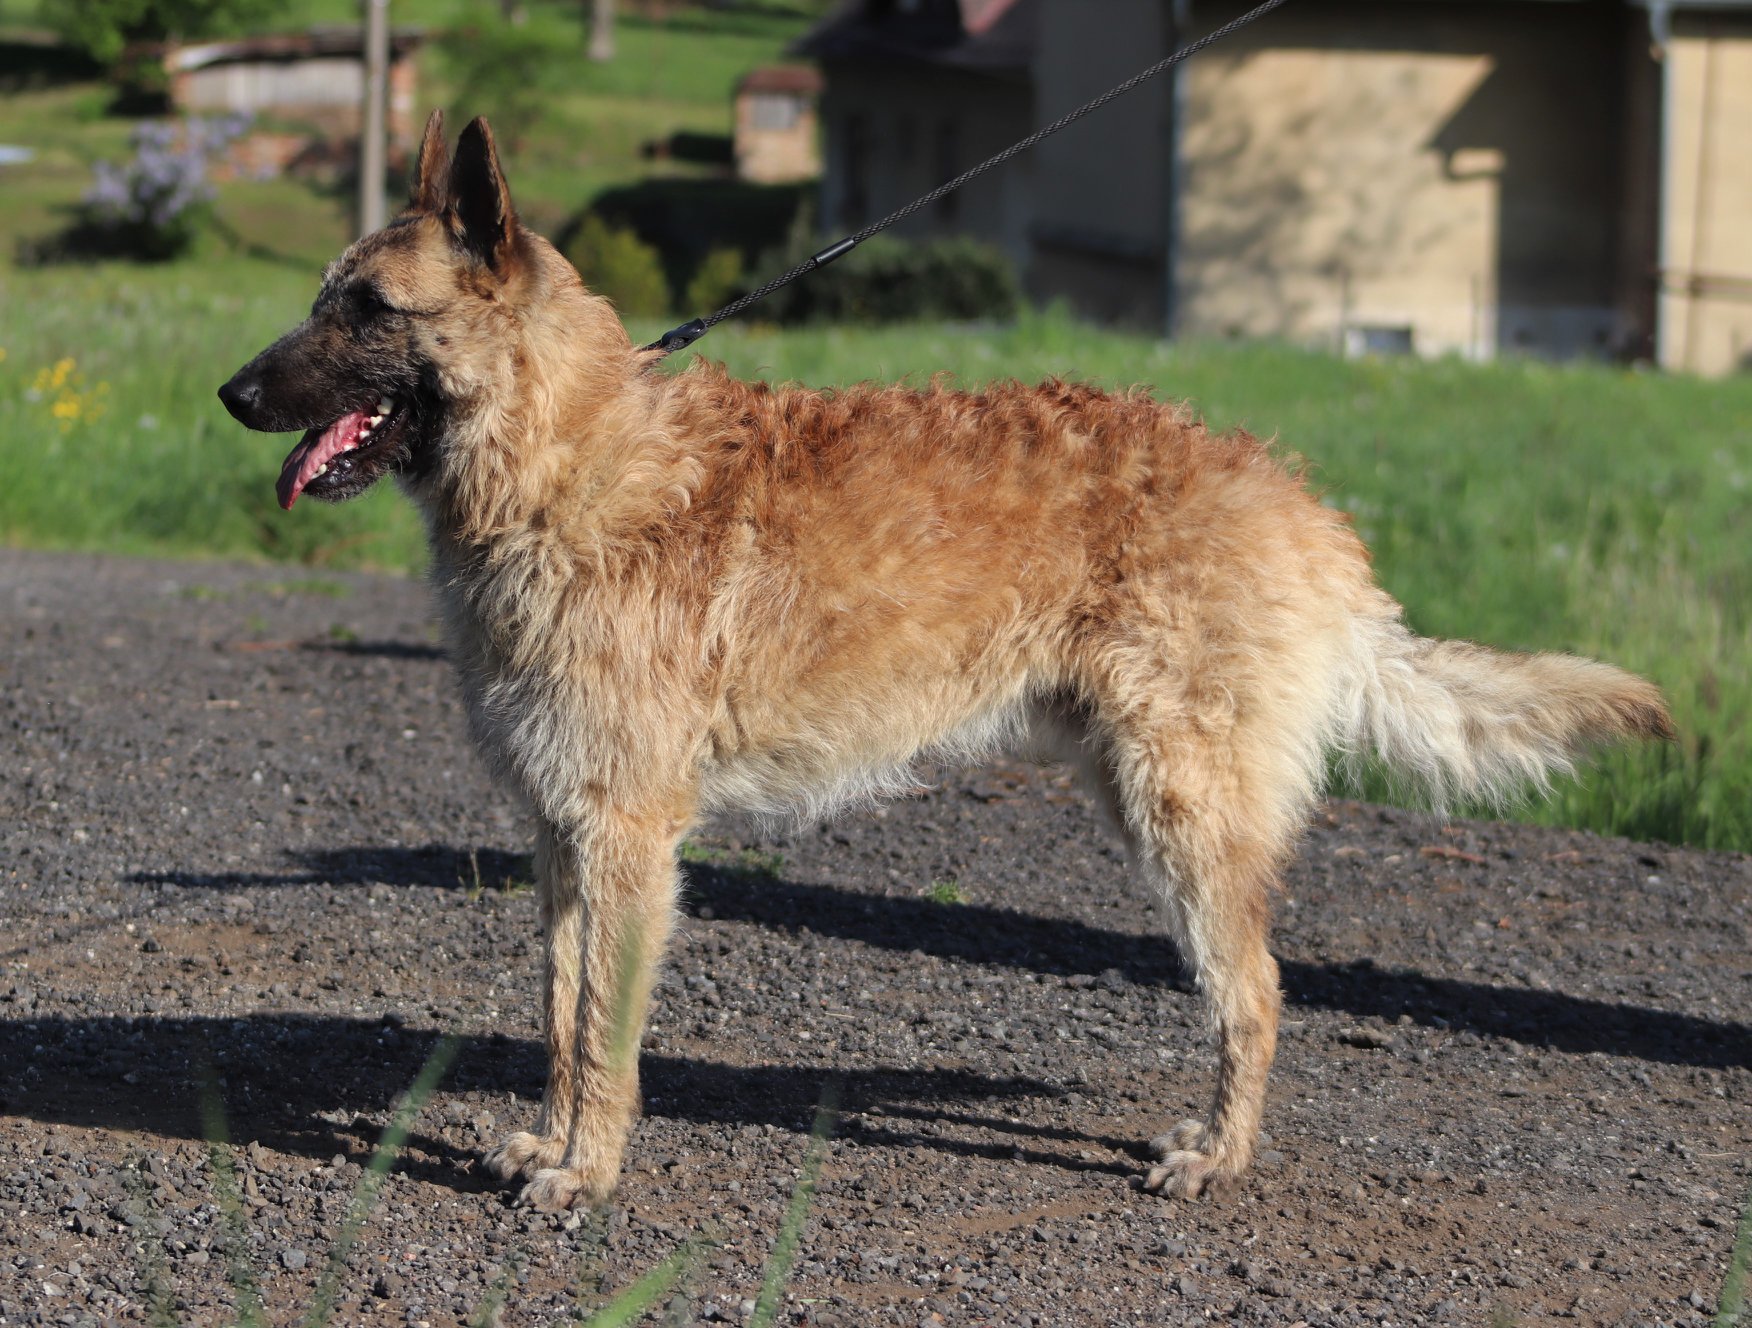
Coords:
670,595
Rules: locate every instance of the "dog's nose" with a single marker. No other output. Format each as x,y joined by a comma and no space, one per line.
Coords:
241,395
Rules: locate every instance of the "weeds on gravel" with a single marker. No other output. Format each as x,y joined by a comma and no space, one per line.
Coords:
219,1156
1732,1305
159,1310
250,1311
778,1269
946,891
628,1307
512,883
632,1304
365,1197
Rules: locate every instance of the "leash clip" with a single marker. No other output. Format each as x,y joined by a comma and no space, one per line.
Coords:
680,338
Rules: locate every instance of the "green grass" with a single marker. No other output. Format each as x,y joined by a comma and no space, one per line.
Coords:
946,891
1577,508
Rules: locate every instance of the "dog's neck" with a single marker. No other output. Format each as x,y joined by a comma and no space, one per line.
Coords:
560,429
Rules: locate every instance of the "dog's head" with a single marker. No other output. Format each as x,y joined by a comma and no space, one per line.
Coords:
373,373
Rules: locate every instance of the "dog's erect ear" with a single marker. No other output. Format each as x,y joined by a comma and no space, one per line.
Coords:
481,198
432,171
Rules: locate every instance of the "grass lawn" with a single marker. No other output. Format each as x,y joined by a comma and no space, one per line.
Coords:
1575,508
1529,506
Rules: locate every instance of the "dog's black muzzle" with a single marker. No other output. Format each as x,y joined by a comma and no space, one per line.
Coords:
243,396
290,385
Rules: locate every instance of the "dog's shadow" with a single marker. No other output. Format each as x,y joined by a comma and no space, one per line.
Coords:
1064,947
318,1086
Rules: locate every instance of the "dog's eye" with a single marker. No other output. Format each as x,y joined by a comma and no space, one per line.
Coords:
370,301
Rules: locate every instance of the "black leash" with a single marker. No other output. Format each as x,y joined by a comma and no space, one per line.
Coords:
682,337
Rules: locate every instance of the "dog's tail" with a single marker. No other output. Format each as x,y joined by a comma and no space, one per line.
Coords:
1464,722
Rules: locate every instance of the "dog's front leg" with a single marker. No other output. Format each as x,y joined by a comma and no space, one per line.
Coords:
608,903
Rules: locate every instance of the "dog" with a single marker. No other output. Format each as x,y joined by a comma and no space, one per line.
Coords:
673,595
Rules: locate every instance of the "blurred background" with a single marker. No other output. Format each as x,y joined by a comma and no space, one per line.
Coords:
1486,264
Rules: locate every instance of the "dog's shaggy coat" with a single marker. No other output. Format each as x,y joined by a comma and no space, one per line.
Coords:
673,595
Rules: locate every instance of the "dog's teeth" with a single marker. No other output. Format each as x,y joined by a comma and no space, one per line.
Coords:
384,406
320,471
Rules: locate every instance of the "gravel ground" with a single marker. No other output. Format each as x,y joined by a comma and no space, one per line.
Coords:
244,844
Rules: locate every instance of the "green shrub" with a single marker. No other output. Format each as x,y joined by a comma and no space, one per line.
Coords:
619,265
504,71
716,282
104,28
886,280
686,220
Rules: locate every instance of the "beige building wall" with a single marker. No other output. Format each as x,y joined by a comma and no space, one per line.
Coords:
1367,172
1706,260
776,137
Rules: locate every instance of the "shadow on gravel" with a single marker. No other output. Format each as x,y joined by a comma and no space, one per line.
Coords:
320,1085
981,934
1064,947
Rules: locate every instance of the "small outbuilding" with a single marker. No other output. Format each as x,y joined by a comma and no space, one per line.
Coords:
1465,177
776,135
314,78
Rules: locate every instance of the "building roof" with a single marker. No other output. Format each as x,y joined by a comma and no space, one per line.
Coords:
996,36
781,78
980,36
346,40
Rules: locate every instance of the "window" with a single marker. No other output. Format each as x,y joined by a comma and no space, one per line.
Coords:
774,110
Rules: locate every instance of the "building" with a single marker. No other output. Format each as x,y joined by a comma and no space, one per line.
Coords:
777,134
315,78
1553,177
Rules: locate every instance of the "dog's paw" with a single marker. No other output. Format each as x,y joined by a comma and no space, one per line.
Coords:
1188,1167
556,1189
1191,1136
523,1152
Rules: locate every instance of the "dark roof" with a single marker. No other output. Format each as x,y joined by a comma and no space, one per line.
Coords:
781,78
346,39
982,36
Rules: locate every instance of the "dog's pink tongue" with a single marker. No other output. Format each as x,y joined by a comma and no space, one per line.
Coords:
315,452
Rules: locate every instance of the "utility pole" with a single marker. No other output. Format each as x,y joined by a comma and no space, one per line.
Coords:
372,212
601,30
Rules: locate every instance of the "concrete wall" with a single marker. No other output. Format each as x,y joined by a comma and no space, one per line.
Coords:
1101,229
1706,259
328,90
1451,171
895,132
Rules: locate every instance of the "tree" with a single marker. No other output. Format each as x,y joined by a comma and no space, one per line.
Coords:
602,29
104,27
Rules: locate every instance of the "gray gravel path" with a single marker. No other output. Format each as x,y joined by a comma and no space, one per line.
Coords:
244,844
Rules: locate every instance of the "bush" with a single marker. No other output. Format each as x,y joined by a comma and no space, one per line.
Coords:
504,70
153,206
716,282
104,28
686,220
617,264
886,280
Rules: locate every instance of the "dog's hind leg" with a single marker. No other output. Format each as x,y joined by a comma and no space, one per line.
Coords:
1197,834
608,903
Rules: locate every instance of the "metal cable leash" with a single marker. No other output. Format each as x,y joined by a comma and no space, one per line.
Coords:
680,338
